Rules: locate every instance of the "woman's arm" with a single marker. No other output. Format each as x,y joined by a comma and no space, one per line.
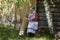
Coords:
36,17
27,18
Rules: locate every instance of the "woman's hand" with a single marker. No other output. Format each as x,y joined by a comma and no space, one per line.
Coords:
28,19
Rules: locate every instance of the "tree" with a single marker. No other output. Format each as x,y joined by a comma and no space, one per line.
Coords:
48,16
25,9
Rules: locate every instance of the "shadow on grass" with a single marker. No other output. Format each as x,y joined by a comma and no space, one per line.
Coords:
12,34
45,35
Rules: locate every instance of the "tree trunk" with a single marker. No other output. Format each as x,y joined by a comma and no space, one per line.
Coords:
15,16
25,10
33,2
48,16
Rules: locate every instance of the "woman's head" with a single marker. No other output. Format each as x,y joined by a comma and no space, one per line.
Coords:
32,9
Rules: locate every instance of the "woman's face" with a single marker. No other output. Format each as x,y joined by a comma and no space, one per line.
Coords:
31,11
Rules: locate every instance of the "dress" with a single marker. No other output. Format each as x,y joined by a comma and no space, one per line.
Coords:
33,24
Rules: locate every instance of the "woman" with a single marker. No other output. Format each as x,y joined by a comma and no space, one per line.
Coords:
32,22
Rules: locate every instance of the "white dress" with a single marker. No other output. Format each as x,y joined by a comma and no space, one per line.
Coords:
32,26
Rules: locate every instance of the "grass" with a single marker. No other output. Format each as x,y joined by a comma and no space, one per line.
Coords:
11,34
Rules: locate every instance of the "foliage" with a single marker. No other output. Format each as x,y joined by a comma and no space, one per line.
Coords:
11,34
18,2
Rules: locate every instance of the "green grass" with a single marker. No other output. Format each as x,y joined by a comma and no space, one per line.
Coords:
11,34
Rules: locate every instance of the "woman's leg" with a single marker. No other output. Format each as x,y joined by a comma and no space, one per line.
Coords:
30,34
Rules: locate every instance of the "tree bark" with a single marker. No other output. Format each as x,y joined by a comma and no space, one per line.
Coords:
49,17
33,2
25,10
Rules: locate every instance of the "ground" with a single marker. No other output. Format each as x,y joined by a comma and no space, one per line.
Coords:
12,34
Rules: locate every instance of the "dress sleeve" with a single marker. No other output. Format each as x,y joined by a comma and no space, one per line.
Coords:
36,17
